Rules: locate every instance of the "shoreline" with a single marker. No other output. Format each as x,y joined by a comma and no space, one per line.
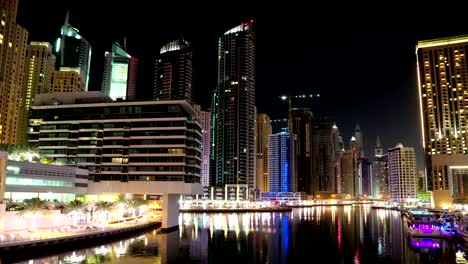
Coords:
235,210
26,249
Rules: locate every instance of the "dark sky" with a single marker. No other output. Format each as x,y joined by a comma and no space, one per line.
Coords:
359,58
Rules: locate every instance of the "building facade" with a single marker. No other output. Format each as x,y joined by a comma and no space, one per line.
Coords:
40,65
348,170
324,147
263,131
233,108
137,147
13,47
443,96
26,180
365,174
282,162
120,73
379,175
3,169
73,51
203,117
402,174
173,75
302,128
66,80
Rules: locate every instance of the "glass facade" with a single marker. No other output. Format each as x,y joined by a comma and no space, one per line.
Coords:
122,141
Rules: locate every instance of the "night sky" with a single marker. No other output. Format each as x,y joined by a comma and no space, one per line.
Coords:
359,58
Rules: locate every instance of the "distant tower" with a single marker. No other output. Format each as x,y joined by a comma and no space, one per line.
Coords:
282,163
233,108
379,173
302,128
262,133
120,73
402,174
73,51
324,154
359,144
173,75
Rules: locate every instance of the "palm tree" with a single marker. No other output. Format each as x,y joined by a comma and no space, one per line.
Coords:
32,207
135,204
103,206
121,202
75,208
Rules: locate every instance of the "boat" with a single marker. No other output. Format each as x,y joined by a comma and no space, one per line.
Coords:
422,223
418,242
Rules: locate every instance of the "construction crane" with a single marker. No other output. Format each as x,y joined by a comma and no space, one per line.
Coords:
289,99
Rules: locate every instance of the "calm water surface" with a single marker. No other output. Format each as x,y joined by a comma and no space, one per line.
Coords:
307,235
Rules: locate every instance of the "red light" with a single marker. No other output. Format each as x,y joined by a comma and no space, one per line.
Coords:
251,20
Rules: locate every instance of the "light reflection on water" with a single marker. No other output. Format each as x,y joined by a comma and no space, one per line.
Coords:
339,234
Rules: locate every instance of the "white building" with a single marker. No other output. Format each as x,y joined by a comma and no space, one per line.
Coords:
402,173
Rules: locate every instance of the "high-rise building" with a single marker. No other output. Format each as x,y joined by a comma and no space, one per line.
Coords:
262,133
402,177
233,108
66,80
120,73
203,117
282,162
339,149
302,128
379,172
350,170
365,175
173,75
443,96
39,66
359,143
324,154
3,169
40,63
73,51
13,47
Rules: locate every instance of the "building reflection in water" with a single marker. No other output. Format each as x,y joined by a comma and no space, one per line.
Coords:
341,234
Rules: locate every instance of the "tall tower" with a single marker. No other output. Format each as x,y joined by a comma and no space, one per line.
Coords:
402,174
40,65
379,173
324,154
66,80
173,75
282,162
234,103
13,47
263,131
120,72
302,127
359,144
203,117
443,100
73,51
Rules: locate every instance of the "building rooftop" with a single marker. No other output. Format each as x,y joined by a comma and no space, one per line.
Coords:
441,41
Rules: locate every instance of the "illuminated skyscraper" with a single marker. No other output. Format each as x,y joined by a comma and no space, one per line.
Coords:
73,51
66,80
203,117
282,162
379,172
13,47
120,73
402,174
350,170
40,65
443,95
233,108
262,133
302,128
173,75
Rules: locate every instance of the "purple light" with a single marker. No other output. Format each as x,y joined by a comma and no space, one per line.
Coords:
425,243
